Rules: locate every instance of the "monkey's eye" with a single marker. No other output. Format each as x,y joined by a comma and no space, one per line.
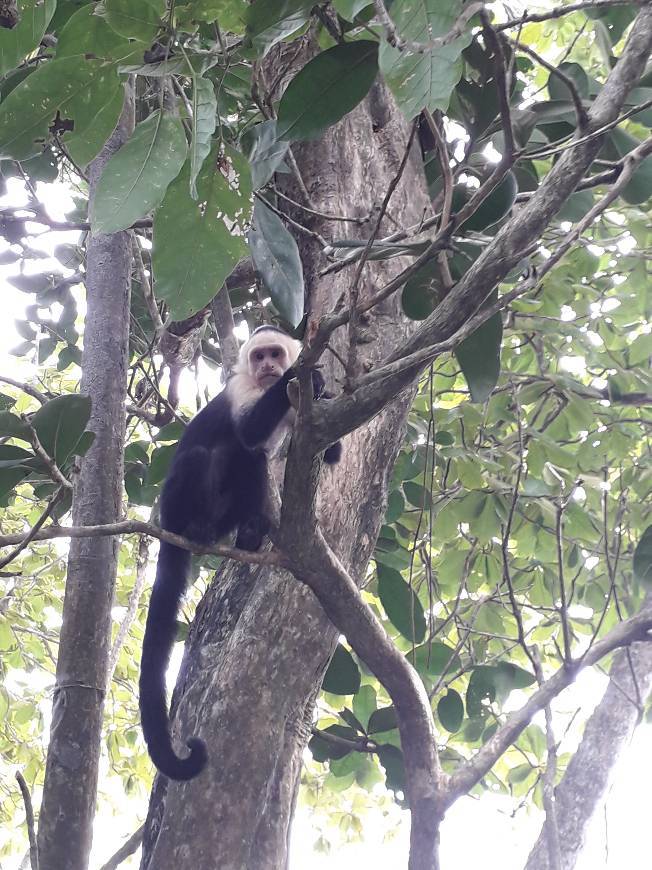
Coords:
260,355
276,354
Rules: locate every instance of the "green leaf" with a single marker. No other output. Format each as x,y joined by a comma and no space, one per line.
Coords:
494,207
423,80
62,85
135,179
276,257
322,750
479,358
417,495
204,118
86,33
211,248
266,154
481,687
395,506
269,23
382,720
450,710
436,658
60,423
391,759
10,425
342,676
421,293
96,115
326,89
401,604
160,462
558,90
364,704
136,19
21,40
643,558
348,9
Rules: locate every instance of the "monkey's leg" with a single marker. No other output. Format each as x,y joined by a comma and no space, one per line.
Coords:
251,533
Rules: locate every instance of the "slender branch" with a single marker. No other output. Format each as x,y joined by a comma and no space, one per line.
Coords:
130,527
29,537
125,850
637,628
26,388
580,111
29,818
132,606
146,286
548,784
559,11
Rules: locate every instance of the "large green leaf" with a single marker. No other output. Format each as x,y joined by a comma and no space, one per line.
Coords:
60,423
323,750
198,228
479,357
266,154
63,85
342,676
495,206
401,604
423,81
643,558
88,33
136,19
96,115
15,44
276,258
135,179
326,89
204,118
450,710
269,23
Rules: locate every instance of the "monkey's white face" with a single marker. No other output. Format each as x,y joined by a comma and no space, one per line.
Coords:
267,363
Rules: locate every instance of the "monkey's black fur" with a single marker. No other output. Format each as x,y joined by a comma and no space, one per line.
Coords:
216,483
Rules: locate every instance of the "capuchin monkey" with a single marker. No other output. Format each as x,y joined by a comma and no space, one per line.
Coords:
217,483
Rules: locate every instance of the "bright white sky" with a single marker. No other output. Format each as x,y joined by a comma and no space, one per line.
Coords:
476,832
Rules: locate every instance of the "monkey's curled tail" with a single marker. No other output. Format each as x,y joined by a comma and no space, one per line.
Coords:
160,632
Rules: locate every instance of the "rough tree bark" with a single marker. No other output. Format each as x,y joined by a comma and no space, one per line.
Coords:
260,642
69,793
583,787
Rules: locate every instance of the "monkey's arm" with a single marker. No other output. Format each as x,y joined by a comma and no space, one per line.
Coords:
332,454
257,423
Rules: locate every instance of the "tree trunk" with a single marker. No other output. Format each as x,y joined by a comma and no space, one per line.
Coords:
260,642
609,729
68,806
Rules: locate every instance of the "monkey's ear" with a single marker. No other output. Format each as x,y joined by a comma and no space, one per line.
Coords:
292,390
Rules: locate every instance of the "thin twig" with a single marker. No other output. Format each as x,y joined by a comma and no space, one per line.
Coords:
29,818
55,472
129,527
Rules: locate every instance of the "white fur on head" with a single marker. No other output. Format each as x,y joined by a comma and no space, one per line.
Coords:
242,389
266,336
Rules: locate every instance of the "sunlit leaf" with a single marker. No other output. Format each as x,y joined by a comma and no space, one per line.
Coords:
135,179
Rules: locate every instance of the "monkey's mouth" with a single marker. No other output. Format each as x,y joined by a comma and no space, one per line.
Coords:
268,378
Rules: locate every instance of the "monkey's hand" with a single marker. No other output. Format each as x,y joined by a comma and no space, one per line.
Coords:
292,390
